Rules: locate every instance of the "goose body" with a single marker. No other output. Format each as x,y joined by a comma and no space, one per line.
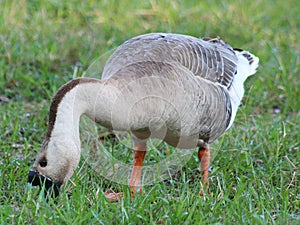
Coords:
178,88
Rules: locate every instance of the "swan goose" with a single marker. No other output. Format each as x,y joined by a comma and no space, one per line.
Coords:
193,85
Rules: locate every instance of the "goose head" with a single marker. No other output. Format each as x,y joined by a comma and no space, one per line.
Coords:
51,169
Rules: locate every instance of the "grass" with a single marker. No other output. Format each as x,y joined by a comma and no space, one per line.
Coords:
255,180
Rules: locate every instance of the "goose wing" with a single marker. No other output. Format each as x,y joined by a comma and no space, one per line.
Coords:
212,59
191,108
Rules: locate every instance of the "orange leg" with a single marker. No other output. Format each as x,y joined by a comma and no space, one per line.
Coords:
136,174
204,158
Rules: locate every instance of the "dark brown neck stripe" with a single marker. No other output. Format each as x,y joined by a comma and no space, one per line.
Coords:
58,98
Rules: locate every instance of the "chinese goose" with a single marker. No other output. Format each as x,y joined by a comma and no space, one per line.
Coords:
194,86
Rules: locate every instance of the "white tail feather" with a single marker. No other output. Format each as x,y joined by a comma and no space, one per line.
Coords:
246,66
247,63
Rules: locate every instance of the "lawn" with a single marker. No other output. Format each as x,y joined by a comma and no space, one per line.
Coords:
255,175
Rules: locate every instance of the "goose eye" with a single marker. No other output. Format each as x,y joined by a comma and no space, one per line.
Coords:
43,162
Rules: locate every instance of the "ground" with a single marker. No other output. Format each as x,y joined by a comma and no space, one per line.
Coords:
255,171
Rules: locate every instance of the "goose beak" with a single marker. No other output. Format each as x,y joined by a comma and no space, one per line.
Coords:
51,188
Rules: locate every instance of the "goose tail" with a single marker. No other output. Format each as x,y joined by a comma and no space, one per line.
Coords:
246,66
247,63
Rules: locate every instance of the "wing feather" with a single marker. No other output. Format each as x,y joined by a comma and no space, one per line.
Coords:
211,59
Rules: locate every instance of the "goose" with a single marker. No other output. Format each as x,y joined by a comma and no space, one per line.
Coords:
181,89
